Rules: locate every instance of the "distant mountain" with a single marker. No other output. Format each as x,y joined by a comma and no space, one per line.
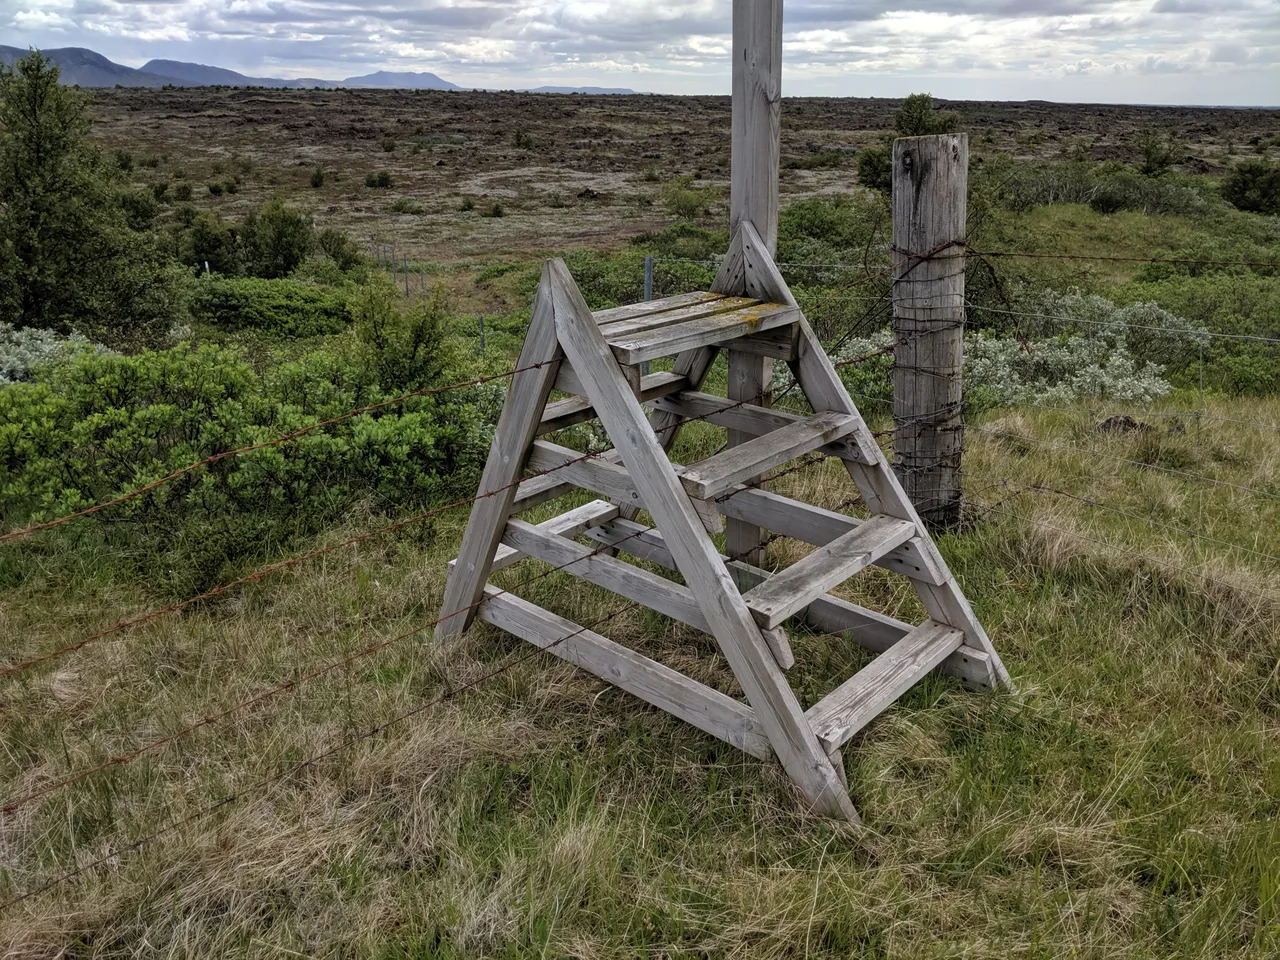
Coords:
596,90
388,79
88,69
199,75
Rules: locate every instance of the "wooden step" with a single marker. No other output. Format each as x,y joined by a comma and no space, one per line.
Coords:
567,412
711,477
749,418
865,695
631,311
794,588
667,341
669,318
569,524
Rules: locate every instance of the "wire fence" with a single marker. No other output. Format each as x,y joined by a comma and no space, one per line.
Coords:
844,314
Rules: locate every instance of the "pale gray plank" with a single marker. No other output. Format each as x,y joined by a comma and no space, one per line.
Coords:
565,413
797,586
865,695
693,702
665,342
568,524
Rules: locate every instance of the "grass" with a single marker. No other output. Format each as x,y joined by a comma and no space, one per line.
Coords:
1121,803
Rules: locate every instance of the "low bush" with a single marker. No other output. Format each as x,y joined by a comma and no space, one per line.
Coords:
685,201
24,352
317,178
284,308
1254,186
406,205
275,239
97,425
820,160
380,180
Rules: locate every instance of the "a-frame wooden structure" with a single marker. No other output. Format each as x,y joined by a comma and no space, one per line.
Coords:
751,314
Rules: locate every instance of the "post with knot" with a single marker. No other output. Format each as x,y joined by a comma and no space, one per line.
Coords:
930,182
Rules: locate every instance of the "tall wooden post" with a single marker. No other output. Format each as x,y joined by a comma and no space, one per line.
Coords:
757,125
930,181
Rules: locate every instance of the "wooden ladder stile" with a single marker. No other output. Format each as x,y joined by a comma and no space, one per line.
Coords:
744,607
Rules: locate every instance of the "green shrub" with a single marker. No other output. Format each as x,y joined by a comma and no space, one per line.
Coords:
875,168
523,141
389,144
820,160
317,178
338,247
274,239
1254,186
685,201
123,160
467,205
215,189
380,180
918,118
1157,151
140,209
406,205
284,308
99,425
1123,189
182,192
497,210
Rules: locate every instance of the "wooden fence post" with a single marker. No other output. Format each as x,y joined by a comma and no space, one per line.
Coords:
753,197
930,181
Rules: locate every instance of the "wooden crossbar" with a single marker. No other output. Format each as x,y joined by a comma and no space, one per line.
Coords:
797,586
668,341
565,413
865,695
693,702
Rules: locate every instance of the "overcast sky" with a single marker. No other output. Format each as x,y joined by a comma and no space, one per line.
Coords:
1148,51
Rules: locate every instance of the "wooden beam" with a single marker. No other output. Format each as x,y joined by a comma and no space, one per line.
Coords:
797,586
779,344
624,579
565,413
518,423
632,310
750,381
669,318
865,695
715,475
746,418
693,702
756,121
568,524
736,632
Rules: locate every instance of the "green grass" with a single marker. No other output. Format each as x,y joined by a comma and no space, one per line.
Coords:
1122,802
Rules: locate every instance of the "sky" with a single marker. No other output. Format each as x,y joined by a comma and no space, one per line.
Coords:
1114,51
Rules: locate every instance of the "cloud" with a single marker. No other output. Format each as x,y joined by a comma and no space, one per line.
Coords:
1010,48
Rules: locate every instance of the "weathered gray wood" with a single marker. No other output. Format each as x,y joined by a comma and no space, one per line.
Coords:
746,419
667,341
517,425
750,380
756,121
565,413
930,185
737,634
802,521
797,586
632,310
779,344
696,704
624,579
669,318
715,475
780,646
568,524
865,695
827,614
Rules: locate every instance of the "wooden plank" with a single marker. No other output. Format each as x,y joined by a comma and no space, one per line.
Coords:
565,413
867,628
756,116
778,344
567,381
800,584
930,187
780,646
693,365
536,491
865,695
669,318
693,702
624,579
597,474
810,524
569,524
750,380
517,424
632,310
715,475
746,418
731,623
649,345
